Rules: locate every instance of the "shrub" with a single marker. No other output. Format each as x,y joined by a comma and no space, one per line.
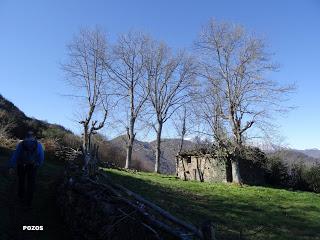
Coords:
297,177
277,172
312,178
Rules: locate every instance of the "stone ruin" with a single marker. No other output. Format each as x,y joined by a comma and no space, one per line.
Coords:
205,167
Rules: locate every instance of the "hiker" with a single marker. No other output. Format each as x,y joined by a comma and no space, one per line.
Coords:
27,158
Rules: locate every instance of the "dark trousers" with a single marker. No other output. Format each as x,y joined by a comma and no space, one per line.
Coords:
27,180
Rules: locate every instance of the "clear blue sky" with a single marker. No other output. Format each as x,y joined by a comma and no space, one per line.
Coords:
34,35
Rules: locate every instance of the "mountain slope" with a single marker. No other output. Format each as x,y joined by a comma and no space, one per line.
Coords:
314,152
293,156
144,153
18,123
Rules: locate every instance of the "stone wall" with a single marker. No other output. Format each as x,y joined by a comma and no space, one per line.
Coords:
208,169
202,168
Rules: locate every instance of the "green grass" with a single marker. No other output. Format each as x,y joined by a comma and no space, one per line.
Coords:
258,212
44,211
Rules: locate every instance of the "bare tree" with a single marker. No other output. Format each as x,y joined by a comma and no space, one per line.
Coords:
235,64
86,72
207,105
181,126
170,77
128,72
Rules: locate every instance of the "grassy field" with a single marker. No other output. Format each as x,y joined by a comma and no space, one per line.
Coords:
256,212
44,212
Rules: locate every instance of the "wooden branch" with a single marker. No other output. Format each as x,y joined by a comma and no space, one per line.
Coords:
140,208
156,208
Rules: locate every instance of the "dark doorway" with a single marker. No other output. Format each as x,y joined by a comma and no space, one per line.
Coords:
228,170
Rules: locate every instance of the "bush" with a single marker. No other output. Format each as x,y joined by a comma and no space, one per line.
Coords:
297,177
71,140
277,172
312,178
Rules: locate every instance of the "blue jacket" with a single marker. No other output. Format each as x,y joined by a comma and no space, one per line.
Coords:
17,152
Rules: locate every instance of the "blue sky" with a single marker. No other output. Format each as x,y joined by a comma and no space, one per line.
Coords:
34,35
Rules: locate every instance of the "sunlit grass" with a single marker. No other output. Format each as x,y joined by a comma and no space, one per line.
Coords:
257,212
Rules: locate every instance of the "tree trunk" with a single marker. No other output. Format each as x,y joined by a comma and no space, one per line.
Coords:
128,157
130,135
85,140
86,149
130,130
158,148
236,177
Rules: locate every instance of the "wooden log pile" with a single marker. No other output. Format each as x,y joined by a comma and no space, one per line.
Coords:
94,210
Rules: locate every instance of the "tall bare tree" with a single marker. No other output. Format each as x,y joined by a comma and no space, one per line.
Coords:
86,72
181,127
127,69
235,64
170,77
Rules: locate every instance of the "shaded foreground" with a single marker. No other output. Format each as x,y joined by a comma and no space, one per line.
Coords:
43,213
238,212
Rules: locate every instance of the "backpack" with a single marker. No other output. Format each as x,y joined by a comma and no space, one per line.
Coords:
29,152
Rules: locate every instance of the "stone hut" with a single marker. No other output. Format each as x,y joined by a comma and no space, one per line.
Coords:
203,166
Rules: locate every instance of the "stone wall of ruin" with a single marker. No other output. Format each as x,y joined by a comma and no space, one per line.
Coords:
204,168
208,169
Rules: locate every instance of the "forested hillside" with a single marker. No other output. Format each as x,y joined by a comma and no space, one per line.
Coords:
15,123
293,156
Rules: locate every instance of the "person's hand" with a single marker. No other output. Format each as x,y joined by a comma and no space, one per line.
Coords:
11,171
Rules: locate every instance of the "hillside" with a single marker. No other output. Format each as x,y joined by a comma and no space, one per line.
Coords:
292,156
314,152
144,153
256,212
20,123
